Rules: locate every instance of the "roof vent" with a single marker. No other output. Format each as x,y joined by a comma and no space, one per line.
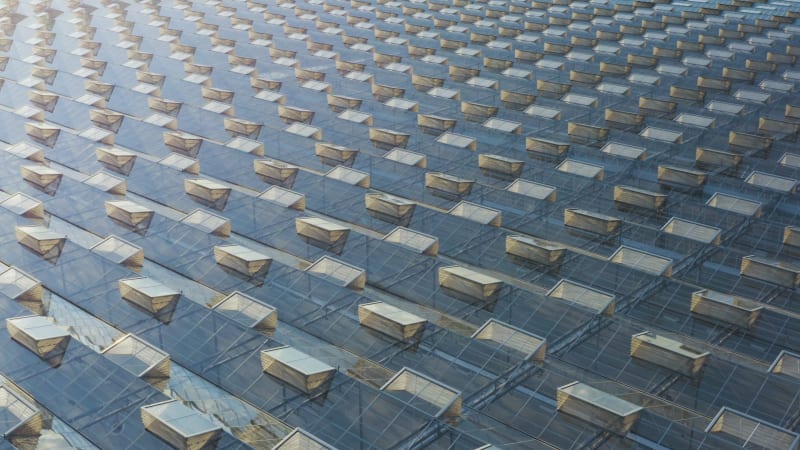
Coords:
534,190
791,238
323,234
298,369
391,321
165,106
545,148
498,166
334,155
435,125
592,222
139,358
151,296
388,139
24,205
208,193
41,240
350,176
116,159
406,157
246,145
43,99
120,251
425,393
18,285
448,186
582,169
208,222
598,301
249,312
183,143
771,271
642,261
26,150
43,178
107,183
340,103
389,208
104,118
414,240
242,260
300,439
735,204
21,419
629,197
680,177
284,197
535,250
477,213
275,172
530,346
668,353
467,284
725,308
129,214
291,114
751,432
180,426
181,163
39,335
787,363
339,273
597,407
691,230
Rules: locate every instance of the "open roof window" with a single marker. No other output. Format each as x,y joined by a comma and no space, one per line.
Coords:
595,300
42,241
300,439
391,321
595,406
130,215
242,260
207,192
208,222
151,296
249,312
643,261
477,213
284,197
750,432
180,426
735,204
42,178
468,284
24,205
297,369
787,363
528,345
726,308
668,353
389,208
120,251
19,419
39,335
533,250
425,393
276,172
414,240
786,274
139,358
339,272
